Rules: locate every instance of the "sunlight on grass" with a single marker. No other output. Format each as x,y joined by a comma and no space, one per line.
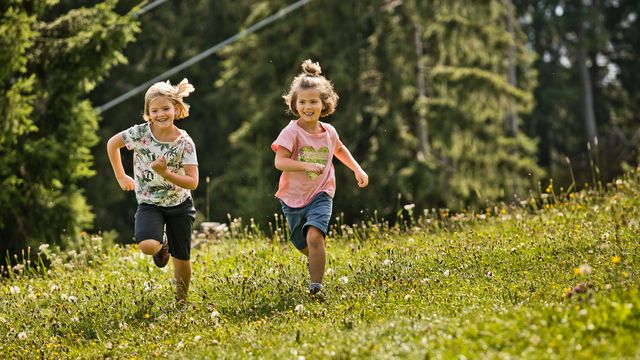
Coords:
555,277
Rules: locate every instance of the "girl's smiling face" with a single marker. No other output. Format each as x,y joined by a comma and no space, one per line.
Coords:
309,105
162,111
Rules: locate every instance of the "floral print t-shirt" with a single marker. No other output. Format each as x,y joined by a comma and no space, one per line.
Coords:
151,187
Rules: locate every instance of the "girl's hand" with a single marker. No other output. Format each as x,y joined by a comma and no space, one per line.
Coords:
314,168
126,183
362,178
159,165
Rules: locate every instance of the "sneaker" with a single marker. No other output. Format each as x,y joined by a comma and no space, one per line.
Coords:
318,296
161,258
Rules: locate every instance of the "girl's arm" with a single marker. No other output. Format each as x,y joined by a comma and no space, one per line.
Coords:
113,151
284,162
344,155
188,181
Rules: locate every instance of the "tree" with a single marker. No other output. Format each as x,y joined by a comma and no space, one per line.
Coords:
50,67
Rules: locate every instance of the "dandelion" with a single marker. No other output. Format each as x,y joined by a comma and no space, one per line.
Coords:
22,336
14,290
344,279
616,259
584,269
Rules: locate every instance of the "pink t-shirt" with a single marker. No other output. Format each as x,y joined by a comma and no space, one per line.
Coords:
298,188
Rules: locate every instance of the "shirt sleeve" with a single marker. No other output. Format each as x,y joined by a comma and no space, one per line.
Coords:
286,139
131,137
189,157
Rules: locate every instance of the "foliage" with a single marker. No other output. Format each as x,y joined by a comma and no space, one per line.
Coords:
48,126
556,277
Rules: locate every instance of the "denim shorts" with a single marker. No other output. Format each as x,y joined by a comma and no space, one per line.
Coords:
150,223
317,214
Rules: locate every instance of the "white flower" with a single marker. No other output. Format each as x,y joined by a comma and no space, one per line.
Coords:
147,286
73,299
344,279
64,297
407,297
299,308
75,319
197,338
14,290
330,271
43,247
586,269
409,207
387,262
180,345
446,273
214,315
22,335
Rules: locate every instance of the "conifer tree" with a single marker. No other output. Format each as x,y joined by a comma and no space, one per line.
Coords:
48,68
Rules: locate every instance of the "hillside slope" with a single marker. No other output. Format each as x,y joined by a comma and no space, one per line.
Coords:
558,282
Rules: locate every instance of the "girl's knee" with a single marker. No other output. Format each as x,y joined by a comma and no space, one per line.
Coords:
149,247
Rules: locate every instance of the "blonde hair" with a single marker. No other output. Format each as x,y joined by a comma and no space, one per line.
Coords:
174,93
310,78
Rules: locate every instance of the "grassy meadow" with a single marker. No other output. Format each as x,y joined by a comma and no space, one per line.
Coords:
557,277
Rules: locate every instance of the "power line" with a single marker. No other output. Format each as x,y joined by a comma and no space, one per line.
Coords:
212,50
149,7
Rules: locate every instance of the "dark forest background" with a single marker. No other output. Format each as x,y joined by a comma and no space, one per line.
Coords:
446,104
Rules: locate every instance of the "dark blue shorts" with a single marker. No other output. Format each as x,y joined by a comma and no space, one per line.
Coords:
151,220
317,214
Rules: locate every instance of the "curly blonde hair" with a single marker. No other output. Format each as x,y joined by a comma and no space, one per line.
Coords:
174,93
311,78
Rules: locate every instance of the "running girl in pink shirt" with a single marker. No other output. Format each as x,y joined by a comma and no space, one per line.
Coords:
304,152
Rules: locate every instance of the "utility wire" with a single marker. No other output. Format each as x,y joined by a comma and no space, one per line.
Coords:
253,28
149,7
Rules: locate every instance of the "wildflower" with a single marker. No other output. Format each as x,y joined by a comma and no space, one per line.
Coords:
73,299
180,345
22,336
330,271
407,297
387,262
197,338
446,272
584,269
214,315
409,207
615,259
43,247
344,279
14,290
299,308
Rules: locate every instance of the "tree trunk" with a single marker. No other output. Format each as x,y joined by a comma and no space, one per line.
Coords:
585,81
421,108
510,121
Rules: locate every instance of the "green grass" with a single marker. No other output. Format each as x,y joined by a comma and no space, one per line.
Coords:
557,277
